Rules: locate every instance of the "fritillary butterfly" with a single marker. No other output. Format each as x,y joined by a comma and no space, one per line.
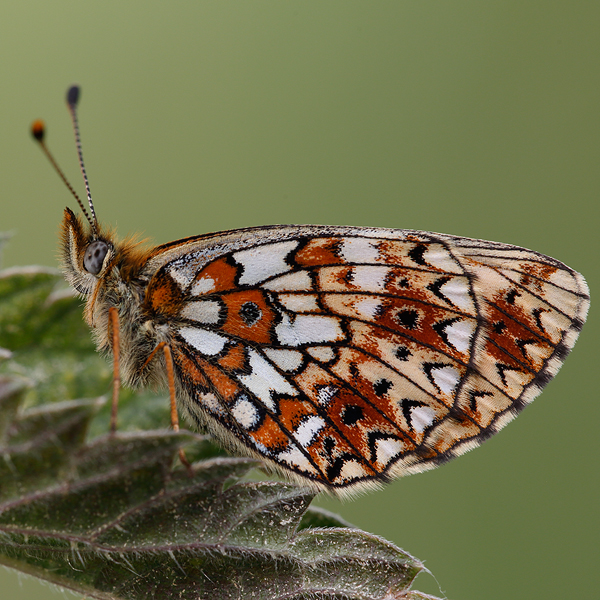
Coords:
340,356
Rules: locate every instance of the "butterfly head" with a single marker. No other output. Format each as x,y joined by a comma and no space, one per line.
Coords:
87,255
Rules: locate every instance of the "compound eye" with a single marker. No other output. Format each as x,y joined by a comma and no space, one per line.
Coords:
94,257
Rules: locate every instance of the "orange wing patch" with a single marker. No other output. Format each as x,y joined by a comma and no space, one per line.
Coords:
217,276
249,316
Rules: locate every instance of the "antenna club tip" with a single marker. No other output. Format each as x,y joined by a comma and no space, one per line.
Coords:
73,94
38,129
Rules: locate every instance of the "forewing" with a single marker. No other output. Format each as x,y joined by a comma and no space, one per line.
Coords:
347,355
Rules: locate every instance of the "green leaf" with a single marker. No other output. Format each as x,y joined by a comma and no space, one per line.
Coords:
109,516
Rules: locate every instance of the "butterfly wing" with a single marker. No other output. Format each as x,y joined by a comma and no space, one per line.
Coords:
347,356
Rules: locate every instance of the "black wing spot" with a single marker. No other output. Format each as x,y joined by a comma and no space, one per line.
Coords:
334,470
328,445
499,327
250,313
382,386
352,414
407,318
510,297
403,353
348,276
416,254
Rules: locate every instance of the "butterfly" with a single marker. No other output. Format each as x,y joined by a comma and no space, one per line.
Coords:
341,357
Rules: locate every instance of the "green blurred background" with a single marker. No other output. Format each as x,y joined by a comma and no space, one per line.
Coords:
466,117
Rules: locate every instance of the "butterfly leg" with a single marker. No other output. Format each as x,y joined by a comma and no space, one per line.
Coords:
113,323
174,416
171,383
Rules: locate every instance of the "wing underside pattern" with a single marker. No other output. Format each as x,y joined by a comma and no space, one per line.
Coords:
348,358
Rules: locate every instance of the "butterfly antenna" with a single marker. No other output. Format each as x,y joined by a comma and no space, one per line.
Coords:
38,131
72,99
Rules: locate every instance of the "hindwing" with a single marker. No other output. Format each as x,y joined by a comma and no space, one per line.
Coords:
347,356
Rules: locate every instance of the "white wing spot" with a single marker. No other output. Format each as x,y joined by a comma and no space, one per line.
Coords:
457,291
298,281
322,353
352,470
264,379
211,402
263,262
206,342
359,250
368,308
387,449
294,457
308,329
300,303
202,311
326,393
370,279
203,286
286,360
445,378
308,430
459,334
440,258
245,413
421,417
